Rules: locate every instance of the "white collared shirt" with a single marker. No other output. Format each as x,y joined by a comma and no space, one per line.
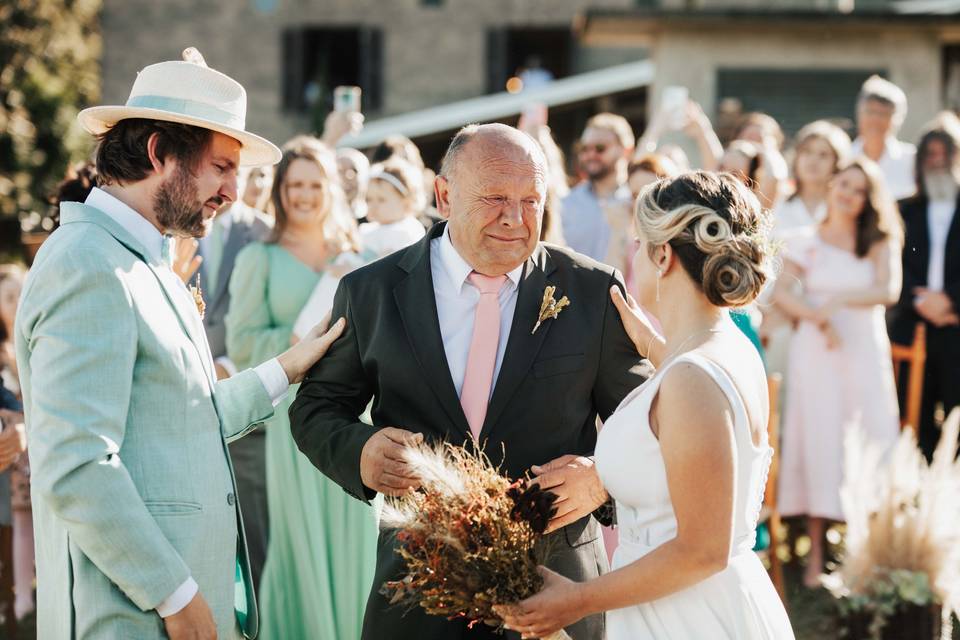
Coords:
271,374
457,306
939,217
897,164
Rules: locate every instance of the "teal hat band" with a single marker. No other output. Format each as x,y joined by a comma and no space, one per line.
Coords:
190,108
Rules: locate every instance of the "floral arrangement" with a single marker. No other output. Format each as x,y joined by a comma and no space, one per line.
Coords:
470,537
903,531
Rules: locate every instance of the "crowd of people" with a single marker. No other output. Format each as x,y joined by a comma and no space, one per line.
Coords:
867,238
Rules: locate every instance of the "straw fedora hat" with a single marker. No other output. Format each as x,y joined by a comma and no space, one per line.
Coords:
188,92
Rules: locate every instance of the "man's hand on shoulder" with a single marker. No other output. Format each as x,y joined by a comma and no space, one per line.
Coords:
382,465
577,486
298,359
193,622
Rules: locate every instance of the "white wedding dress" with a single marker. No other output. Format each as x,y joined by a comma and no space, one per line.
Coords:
737,603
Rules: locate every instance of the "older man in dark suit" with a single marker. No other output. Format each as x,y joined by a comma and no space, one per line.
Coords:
931,272
441,337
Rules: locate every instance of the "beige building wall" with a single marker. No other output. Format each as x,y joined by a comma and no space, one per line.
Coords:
691,56
431,55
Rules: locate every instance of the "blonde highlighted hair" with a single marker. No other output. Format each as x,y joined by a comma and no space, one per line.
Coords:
340,228
717,229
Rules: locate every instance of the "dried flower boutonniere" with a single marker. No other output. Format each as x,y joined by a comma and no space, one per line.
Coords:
550,308
197,294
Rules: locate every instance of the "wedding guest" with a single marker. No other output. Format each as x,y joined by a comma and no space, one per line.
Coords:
404,148
764,131
11,282
394,199
839,374
354,169
881,109
322,546
931,272
603,153
133,494
819,148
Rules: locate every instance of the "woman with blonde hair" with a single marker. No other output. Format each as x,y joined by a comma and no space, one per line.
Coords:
839,373
818,151
685,456
322,543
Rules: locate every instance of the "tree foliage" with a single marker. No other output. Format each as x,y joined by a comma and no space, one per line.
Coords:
49,70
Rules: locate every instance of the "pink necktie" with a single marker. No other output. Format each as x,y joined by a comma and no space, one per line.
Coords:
482,358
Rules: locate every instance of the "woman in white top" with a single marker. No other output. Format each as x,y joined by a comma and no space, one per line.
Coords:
819,148
685,455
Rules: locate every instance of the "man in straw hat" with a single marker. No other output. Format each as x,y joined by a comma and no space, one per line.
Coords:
138,526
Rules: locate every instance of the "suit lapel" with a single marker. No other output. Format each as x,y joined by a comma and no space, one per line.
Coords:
187,314
951,257
176,298
522,346
417,305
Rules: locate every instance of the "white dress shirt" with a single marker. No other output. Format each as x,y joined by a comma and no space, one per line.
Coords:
897,164
939,218
457,305
271,374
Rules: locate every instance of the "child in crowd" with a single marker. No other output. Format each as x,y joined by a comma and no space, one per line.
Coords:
394,199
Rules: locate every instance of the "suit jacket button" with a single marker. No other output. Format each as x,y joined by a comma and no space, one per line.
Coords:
231,499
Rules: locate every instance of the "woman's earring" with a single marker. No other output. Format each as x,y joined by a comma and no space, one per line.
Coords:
659,275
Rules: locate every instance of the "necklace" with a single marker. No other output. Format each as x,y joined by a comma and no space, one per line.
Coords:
676,351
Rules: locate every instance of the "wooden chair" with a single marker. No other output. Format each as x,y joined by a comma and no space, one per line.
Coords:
770,513
914,355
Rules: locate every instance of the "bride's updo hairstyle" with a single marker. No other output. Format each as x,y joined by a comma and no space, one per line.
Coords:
717,229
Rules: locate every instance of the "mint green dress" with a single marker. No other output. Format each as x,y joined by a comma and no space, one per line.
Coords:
322,549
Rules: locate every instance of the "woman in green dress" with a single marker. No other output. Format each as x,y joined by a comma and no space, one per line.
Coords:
322,548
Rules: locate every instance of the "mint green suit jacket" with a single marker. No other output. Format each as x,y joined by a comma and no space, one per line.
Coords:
133,488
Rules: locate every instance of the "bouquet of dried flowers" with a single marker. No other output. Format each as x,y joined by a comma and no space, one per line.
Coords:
903,531
470,537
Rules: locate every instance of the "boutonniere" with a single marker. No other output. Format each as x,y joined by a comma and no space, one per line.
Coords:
197,294
550,308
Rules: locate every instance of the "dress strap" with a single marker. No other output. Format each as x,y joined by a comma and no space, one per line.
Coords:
723,380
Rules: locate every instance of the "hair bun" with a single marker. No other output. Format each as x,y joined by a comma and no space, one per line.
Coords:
734,274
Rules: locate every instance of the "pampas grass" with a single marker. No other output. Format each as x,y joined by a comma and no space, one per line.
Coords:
903,526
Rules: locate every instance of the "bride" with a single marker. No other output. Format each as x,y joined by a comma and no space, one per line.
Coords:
685,455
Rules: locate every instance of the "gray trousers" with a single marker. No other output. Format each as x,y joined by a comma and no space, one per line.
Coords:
249,466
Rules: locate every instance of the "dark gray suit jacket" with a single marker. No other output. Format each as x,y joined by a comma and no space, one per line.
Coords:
248,225
551,387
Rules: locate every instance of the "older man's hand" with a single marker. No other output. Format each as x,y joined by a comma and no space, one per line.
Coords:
383,467
577,486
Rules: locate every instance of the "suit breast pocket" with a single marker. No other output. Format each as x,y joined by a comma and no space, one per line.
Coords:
558,365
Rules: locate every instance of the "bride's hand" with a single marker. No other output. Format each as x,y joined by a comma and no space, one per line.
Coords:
648,342
559,604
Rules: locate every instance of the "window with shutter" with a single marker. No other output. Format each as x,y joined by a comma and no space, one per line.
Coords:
795,96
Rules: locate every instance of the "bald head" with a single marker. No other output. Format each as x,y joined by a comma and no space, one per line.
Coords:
492,188
492,141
